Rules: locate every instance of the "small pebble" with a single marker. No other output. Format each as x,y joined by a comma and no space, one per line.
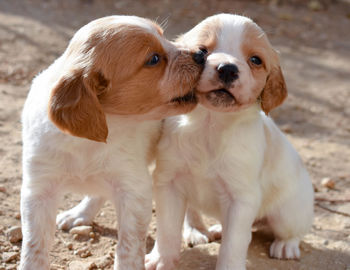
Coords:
70,246
18,216
315,5
2,189
9,256
287,128
55,267
83,252
104,262
80,265
14,234
328,183
92,235
263,254
81,230
326,242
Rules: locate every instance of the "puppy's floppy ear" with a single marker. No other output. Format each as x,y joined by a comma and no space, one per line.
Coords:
74,106
275,90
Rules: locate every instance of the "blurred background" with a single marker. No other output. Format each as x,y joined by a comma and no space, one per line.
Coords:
313,37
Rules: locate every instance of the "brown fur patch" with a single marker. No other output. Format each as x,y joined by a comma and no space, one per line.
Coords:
74,107
203,35
275,90
270,81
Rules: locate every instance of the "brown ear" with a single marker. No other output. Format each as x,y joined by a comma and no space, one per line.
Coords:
275,90
75,109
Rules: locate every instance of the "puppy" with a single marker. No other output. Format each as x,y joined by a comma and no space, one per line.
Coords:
90,123
226,157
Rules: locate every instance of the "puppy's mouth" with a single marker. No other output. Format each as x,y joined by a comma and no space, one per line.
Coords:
189,98
220,97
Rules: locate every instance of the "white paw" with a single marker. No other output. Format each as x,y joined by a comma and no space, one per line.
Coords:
72,218
285,249
194,237
153,261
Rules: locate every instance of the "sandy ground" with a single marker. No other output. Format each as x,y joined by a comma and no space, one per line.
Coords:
314,40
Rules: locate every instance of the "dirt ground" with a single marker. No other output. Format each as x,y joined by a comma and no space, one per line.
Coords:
314,40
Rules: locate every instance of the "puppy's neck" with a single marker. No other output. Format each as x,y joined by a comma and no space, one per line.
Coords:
216,119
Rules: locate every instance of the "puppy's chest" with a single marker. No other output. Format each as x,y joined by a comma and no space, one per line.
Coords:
201,152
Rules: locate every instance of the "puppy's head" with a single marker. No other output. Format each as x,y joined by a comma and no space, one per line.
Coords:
242,68
121,65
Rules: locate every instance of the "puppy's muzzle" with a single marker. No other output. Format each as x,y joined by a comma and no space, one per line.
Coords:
227,73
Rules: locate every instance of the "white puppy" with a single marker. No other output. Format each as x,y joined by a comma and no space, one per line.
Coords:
226,157
109,89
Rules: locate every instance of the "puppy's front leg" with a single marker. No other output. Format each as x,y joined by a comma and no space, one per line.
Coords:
170,211
238,217
39,204
133,202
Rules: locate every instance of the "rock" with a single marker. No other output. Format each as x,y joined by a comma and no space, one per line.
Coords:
83,252
70,246
9,256
14,234
18,216
287,128
328,183
104,262
81,230
315,5
81,265
55,267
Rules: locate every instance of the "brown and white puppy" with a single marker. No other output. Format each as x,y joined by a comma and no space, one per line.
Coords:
109,89
227,158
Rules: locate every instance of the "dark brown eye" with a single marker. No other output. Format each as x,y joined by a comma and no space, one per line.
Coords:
255,60
154,60
203,49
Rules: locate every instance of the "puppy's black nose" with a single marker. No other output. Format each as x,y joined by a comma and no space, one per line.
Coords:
199,57
228,72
